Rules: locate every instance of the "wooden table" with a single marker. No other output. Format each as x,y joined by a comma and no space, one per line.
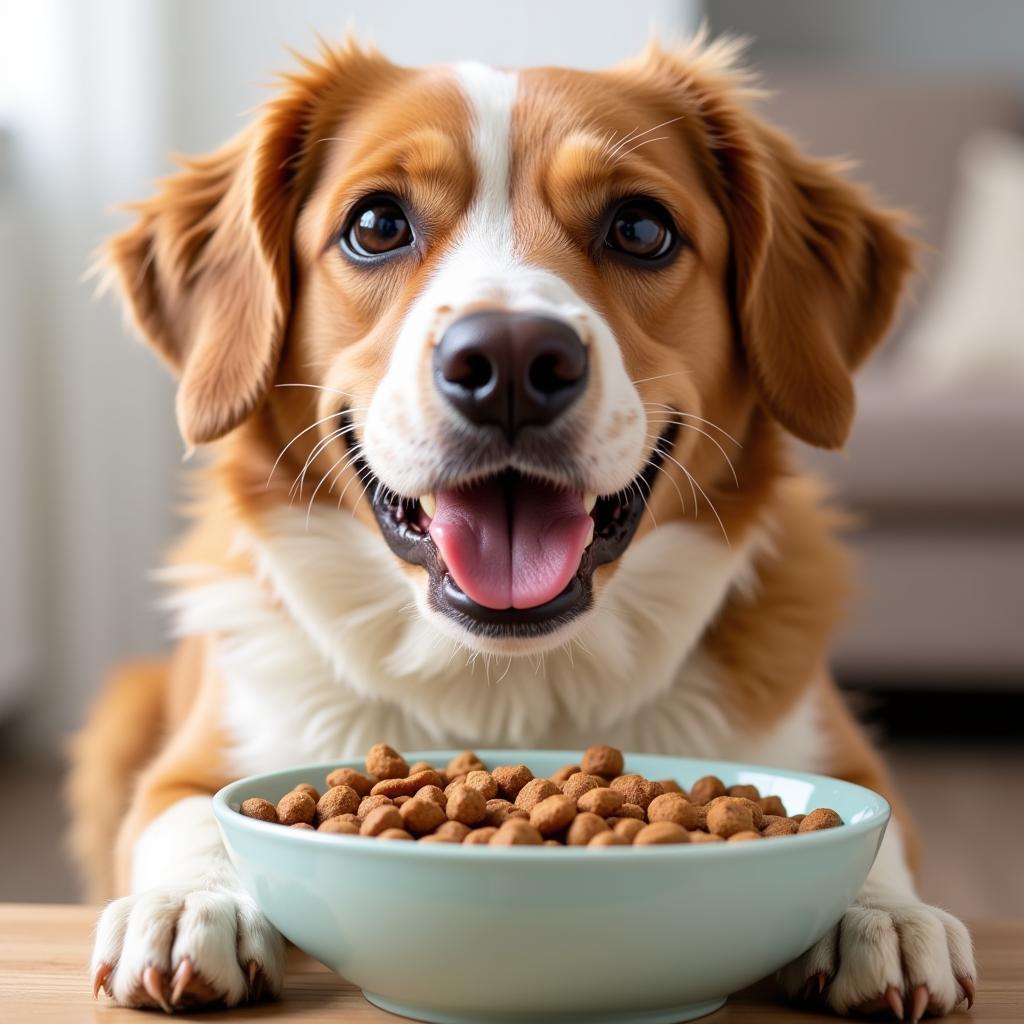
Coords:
44,951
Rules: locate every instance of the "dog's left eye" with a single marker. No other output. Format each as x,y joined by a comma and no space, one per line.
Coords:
641,229
377,226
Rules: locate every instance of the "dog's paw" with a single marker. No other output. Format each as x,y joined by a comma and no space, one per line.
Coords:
176,949
903,958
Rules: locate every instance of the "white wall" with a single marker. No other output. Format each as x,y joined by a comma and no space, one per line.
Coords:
96,95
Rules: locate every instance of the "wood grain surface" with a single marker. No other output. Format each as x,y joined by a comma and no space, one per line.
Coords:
44,951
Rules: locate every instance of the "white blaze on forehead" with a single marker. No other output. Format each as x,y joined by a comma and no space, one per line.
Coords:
492,95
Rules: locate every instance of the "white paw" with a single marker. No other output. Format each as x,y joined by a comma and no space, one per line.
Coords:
903,957
178,949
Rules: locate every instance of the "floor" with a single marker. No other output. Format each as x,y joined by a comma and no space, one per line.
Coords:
965,801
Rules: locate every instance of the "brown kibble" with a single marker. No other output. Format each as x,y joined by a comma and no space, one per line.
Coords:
510,779
534,791
729,815
673,807
483,783
627,828
385,762
410,785
421,816
772,805
660,833
371,803
343,824
705,789
455,831
516,832
602,801
337,800
593,805
742,837
464,763
351,778
816,820
433,793
553,814
394,833
257,807
296,807
705,837
635,789
604,761
671,786
775,825
480,836
466,805
565,772
498,811
748,792
576,785
755,810
608,838
380,819
584,827
632,811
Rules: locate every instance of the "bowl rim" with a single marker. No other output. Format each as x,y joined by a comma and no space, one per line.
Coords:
229,817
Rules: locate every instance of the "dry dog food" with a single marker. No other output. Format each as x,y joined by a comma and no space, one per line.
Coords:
593,803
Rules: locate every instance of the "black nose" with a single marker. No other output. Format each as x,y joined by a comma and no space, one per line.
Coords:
510,369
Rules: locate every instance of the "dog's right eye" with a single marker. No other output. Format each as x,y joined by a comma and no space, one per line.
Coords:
377,226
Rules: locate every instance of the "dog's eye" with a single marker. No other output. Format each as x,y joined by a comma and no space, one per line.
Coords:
377,226
641,229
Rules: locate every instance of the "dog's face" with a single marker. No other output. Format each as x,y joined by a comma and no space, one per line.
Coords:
529,315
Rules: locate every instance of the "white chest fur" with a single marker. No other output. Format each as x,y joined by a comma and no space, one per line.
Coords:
324,655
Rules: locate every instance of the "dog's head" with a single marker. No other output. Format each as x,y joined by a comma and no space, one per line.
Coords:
517,310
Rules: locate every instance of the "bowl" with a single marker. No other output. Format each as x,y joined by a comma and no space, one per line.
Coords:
504,935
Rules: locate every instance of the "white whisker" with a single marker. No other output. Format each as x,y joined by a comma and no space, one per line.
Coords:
694,483
690,426
693,416
632,136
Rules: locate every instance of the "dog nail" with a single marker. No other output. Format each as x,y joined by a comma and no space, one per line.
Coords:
895,1001
252,969
100,979
153,983
180,981
967,984
822,981
919,1004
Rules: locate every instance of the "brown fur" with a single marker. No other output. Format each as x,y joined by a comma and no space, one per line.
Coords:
790,279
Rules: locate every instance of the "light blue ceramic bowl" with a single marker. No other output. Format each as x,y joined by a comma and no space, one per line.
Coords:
505,935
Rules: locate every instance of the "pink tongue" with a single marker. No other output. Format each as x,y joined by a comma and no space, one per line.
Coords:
516,553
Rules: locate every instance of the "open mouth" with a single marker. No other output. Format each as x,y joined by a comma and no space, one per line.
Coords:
510,555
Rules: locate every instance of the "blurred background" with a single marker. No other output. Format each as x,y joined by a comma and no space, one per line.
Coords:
927,96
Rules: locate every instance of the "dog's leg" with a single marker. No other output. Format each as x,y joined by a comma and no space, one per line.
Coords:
187,934
890,952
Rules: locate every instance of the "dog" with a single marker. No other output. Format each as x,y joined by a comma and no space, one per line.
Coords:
496,373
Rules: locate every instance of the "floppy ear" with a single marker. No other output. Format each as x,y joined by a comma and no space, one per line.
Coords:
817,270
206,269
816,267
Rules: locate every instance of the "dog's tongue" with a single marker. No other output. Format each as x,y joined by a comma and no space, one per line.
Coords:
511,544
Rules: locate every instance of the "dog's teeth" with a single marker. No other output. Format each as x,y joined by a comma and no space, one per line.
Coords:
428,504
589,501
590,535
